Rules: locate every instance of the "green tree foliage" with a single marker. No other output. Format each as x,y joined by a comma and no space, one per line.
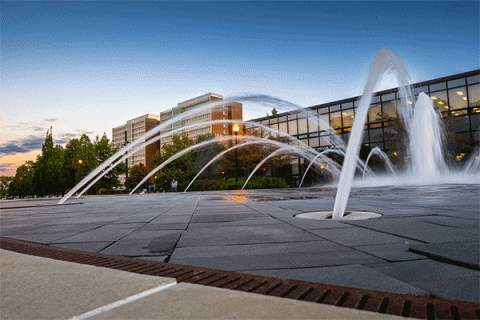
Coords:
180,169
58,169
135,175
4,183
80,160
104,149
23,182
48,174
202,156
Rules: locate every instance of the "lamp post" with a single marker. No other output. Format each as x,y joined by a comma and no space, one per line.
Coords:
236,128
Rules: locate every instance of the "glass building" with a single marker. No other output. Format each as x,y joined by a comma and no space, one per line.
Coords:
457,97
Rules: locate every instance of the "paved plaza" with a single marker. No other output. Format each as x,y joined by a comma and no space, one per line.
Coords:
426,242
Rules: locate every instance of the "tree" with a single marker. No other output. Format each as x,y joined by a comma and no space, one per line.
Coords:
79,160
203,155
49,177
22,184
180,169
4,183
135,175
104,149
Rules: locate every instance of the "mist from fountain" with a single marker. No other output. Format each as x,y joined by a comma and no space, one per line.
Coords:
377,151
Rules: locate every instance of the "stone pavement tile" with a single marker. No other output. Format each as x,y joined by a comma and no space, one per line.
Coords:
178,218
281,261
354,276
441,279
452,222
256,249
41,288
413,229
273,233
129,248
163,226
311,224
243,222
223,217
357,236
52,228
392,251
87,246
463,253
190,301
141,217
106,233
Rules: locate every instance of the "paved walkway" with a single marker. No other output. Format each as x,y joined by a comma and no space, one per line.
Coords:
426,242
40,288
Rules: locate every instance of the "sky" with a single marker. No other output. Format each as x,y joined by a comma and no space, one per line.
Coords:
88,66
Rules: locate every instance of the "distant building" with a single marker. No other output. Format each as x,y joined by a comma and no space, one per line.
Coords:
227,111
132,130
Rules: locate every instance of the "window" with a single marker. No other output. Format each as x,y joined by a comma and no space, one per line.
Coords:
458,98
302,126
474,97
324,121
347,118
334,108
438,86
417,90
440,101
375,113
456,83
389,111
388,96
473,79
292,127
283,127
336,121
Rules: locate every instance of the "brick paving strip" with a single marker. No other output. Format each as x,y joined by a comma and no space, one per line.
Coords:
368,300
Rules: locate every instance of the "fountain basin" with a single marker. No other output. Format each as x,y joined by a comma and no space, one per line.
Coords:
348,215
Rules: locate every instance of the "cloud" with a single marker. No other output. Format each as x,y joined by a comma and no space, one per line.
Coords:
22,146
4,167
35,142
51,120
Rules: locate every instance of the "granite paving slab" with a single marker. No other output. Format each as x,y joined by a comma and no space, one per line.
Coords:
392,251
280,261
354,276
86,246
440,279
163,226
357,236
246,250
244,235
465,254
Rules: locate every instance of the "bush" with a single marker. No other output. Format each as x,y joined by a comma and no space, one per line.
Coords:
204,185
254,183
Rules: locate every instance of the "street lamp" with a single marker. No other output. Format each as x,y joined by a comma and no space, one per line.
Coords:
236,128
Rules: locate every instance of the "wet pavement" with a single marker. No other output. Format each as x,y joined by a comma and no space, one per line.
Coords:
425,243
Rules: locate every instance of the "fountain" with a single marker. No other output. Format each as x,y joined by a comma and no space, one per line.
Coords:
422,123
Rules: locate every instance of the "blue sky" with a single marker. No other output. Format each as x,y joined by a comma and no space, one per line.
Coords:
85,67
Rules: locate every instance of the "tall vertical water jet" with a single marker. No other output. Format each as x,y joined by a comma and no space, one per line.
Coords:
426,140
384,61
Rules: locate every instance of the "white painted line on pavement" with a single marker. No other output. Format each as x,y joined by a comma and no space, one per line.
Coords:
122,302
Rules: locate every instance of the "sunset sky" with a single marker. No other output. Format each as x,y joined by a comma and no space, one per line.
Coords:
86,66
